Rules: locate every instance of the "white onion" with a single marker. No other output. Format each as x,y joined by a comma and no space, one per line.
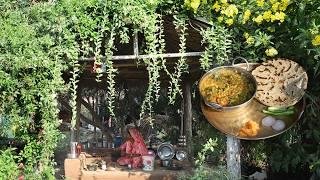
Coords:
279,125
268,121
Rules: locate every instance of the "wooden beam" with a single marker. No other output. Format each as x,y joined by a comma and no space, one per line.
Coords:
136,44
90,108
188,117
106,131
148,56
103,129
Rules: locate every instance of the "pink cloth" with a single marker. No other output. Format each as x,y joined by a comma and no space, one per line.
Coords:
134,146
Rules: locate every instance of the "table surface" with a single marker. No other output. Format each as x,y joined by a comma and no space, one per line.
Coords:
120,173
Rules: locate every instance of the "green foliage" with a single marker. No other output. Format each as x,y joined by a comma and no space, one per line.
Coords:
208,146
219,44
31,65
9,168
181,65
208,173
203,172
39,40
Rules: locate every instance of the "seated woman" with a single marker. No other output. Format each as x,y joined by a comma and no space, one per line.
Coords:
133,149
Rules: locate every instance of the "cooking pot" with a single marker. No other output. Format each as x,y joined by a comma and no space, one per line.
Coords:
243,72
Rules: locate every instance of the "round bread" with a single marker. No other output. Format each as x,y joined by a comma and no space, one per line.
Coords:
281,82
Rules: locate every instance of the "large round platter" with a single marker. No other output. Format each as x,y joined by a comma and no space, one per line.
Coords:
230,122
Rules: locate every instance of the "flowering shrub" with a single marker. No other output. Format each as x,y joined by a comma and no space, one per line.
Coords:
258,24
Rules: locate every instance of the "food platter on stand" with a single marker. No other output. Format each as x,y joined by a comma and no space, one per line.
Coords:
232,121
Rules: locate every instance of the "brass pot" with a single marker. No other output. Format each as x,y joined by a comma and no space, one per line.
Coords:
243,72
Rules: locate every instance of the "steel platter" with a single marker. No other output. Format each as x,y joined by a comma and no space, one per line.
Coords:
231,122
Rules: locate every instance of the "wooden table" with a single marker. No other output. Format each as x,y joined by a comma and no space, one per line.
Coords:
73,171
123,174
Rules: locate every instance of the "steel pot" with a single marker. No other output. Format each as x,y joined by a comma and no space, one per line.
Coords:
243,72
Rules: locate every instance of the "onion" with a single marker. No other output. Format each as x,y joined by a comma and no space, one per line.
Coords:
279,125
268,121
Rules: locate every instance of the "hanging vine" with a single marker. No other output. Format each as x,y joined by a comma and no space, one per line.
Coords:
181,65
153,67
218,41
111,73
74,86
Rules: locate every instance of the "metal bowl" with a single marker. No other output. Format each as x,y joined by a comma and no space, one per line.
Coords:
243,72
165,151
181,155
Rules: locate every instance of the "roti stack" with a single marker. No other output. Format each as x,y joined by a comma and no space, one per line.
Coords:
281,82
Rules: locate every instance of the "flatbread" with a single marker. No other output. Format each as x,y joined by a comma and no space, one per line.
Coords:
281,82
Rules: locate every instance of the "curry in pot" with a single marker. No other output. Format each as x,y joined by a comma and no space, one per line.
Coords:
226,87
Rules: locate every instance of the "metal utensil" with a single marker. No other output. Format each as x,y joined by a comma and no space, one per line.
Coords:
166,163
181,155
230,122
244,72
165,151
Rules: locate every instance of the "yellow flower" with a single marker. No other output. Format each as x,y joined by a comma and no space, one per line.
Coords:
271,52
258,19
275,6
246,16
220,19
230,11
224,1
216,6
246,35
229,22
194,5
316,40
187,2
273,18
284,4
280,16
250,40
273,1
267,15
260,3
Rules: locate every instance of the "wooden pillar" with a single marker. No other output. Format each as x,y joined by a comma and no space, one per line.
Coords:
188,117
233,157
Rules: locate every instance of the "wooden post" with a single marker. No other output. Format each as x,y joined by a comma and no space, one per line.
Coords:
233,157
188,117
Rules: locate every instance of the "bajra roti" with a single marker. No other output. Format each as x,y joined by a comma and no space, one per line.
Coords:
281,82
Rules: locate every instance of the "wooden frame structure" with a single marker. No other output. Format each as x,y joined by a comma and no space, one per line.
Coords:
233,144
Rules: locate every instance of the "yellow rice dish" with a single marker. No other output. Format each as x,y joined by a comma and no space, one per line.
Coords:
226,87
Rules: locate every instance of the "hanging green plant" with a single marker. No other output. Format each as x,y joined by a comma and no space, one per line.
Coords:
153,66
111,73
74,86
219,45
181,66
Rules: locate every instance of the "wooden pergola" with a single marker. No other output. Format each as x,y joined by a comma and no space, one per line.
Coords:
125,60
